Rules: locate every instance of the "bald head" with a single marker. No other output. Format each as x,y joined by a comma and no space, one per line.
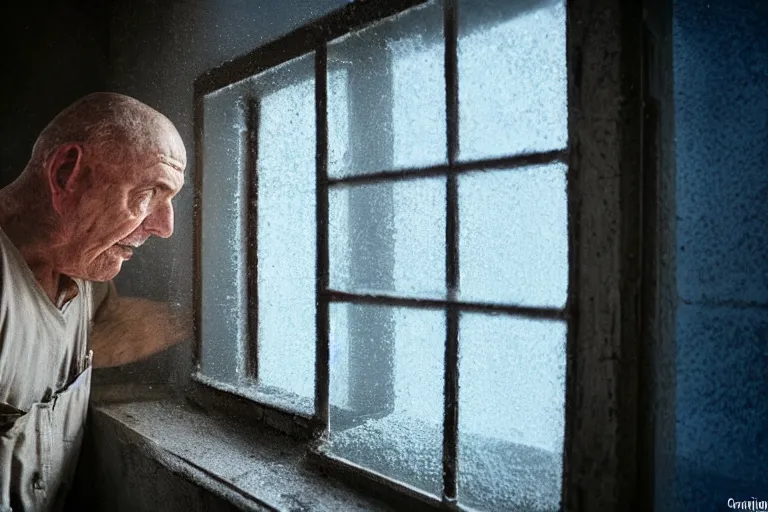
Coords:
100,182
115,129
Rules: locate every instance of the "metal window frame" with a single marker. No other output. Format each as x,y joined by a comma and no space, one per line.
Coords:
604,209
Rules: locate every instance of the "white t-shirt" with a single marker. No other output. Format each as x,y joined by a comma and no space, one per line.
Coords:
45,369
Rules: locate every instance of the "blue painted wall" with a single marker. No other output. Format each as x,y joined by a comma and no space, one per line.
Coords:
720,54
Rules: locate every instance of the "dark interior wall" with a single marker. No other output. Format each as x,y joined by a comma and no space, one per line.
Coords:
53,53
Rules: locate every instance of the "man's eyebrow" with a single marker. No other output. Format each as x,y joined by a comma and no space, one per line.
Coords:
172,162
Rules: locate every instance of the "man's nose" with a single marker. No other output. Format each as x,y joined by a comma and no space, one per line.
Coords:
160,221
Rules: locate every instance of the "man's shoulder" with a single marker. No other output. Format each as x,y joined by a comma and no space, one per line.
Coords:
10,269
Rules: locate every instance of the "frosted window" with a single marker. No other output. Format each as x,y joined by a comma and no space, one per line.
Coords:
511,412
513,239
388,82
387,391
389,238
223,311
286,229
512,78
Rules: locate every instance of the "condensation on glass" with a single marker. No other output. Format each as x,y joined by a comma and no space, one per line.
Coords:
282,101
512,78
387,391
511,403
513,240
389,238
388,82
387,113
397,247
286,229
223,238
513,249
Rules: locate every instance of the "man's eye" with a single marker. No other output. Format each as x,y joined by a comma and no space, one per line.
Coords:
145,198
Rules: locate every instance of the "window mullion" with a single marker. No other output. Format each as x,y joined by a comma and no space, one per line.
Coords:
451,417
322,357
250,146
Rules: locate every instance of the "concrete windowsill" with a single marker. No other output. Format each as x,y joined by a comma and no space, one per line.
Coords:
249,467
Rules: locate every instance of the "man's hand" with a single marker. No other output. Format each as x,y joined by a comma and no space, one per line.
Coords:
127,329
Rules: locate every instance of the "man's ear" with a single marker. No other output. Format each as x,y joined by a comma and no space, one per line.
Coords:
63,170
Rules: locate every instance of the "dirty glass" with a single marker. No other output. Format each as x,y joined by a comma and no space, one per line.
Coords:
388,82
386,112
286,231
223,240
512,77
282,101
513,249
513,239
511,412
387,367
388,238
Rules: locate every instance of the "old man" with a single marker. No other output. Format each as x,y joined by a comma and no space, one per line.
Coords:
99,183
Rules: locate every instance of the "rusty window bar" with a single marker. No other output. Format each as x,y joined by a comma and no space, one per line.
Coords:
451,378
197,289
474,166
251,146
322,266
353,16
410,302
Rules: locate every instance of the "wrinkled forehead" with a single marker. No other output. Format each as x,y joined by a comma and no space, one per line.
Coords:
164,146
158,143
169,147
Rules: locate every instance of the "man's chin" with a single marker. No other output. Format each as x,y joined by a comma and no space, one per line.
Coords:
99,273
108,274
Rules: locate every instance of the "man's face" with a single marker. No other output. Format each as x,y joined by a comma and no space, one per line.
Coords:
117,209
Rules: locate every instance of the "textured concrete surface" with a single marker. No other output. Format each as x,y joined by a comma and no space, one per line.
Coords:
165,455
721,150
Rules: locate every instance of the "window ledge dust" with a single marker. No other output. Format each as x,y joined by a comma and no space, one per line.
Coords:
249,467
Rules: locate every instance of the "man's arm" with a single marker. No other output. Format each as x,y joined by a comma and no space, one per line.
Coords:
128,329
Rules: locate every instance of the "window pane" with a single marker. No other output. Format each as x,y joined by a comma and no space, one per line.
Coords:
389,238
286,229
387,391
512,77
511,412
388,82
513,238
223,242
